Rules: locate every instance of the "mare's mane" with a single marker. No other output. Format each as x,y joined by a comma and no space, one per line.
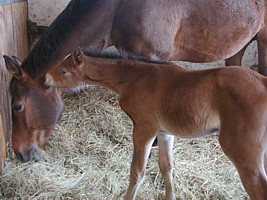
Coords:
55,36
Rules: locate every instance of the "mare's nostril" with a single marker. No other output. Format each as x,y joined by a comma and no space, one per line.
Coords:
31,154
20,156
35,154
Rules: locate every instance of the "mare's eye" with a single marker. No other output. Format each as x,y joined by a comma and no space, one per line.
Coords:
18,107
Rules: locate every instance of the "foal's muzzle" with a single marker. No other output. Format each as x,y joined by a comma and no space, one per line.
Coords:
48,80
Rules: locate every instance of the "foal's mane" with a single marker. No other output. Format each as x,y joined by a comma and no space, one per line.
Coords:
115,55
55,36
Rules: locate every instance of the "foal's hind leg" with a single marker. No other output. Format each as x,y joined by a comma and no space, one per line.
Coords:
165,143
143,138
247,152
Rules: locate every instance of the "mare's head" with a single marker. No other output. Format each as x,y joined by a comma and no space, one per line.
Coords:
35,112
69,73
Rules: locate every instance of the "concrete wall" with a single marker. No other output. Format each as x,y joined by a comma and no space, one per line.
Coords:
43,12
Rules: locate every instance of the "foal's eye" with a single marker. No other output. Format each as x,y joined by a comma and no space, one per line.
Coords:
18,107
63,72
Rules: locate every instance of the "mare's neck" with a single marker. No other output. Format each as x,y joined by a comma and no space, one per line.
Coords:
72,28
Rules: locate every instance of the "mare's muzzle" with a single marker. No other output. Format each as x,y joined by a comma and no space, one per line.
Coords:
32,153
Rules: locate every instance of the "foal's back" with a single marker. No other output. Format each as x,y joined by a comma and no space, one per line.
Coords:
189,103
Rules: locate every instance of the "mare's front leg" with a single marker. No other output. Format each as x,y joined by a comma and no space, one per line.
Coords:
165,143
262,50
143,137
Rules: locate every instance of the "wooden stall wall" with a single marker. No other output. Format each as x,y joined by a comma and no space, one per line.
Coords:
13,41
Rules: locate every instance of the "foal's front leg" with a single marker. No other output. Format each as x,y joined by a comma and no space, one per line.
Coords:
143,138
165,143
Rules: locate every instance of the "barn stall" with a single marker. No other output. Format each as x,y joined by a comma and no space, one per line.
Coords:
13,41
90,152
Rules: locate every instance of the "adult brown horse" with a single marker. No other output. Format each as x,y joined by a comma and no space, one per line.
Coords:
165,100
197,31
262,50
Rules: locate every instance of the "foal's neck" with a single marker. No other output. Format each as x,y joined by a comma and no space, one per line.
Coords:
113,74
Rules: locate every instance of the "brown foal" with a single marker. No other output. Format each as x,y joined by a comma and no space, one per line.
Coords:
166,100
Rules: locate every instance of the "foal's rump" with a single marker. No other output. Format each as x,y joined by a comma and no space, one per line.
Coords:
241,98
241,84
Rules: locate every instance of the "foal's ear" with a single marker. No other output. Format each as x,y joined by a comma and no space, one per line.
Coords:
78,56
14,67
17,60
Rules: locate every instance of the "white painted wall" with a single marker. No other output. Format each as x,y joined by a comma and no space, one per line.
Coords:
43,12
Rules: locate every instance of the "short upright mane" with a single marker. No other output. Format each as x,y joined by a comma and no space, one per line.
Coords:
114,55
55,35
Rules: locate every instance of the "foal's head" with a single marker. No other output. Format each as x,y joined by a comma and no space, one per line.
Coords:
35,112
69,73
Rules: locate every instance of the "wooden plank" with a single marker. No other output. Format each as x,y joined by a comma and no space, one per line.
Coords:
3,141
5,2
13,41
2,88
6,108
2,31
9,41
9,49
19,16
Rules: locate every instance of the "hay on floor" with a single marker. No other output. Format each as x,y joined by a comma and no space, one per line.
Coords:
89,157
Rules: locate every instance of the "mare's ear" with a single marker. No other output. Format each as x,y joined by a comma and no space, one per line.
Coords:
14,67
78,56
17,60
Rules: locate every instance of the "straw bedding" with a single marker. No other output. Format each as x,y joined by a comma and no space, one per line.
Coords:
89,155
